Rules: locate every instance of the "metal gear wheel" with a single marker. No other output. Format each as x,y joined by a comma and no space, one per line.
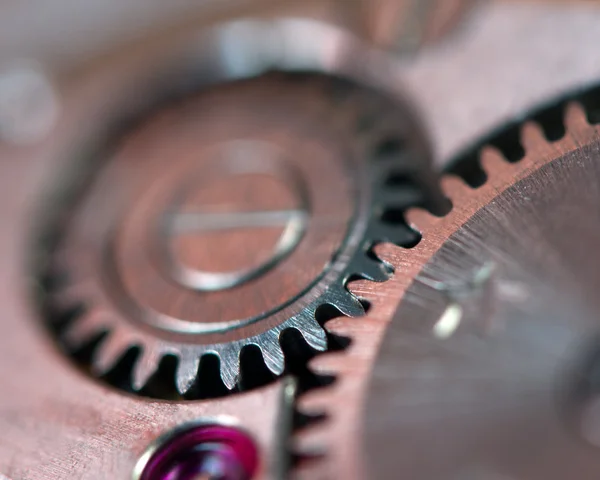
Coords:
235,214
495,341
495,336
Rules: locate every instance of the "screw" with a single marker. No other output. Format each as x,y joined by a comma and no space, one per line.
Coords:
201,452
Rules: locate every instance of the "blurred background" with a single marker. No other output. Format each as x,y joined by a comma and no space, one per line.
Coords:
523,51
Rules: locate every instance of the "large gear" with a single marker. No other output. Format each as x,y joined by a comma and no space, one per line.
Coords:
177,263
505,251
496,334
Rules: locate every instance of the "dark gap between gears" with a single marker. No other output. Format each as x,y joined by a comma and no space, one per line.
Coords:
253,371
59,321
444,209
399,179
370,253
367,122
591,102
300,459
509,143
365,304
303,419
51,280
85,352
161,383
388,148
469,169
414,242
394,216
209,383
121,374
507,138
552,122
297,354
328,312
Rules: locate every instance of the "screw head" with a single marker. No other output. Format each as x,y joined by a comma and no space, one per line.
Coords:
202,452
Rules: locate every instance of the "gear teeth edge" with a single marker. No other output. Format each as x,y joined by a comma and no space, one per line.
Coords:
345,301
492,160
532,136
229,364
272,353
575,117
420,219
326,364
70,295
187,370
313,441
453,187
84,328
311,331
144,367
368,268
577,123
109,352
311,403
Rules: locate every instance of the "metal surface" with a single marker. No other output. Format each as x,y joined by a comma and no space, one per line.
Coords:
99,28
487,369
478,80
58,423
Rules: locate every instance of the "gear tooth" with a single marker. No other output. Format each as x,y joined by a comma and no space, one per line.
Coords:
312,332
313,440
145,367
84,328
358,287
492,160
314,401
328,363
346,302
420,219
387,252
71,295
453,186
575,117
346,328
532,137
229,358
187,371
272,354
369,268
109,352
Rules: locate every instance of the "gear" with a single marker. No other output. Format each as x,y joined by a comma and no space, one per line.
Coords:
454,353
493,338
235,215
